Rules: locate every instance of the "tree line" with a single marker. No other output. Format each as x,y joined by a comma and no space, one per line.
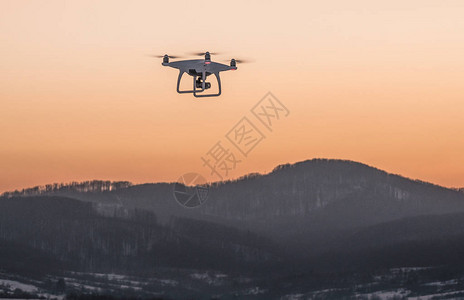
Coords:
84,186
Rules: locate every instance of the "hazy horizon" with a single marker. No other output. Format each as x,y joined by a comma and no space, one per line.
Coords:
238,177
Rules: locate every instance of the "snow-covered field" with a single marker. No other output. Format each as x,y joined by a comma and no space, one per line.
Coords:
12,285
390,284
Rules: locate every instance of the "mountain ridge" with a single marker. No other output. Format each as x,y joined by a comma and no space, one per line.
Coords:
108,185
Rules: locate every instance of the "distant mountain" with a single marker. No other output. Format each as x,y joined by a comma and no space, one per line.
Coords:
341,193
318,216
308,198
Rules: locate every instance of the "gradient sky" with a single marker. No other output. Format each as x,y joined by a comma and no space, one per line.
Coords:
380,82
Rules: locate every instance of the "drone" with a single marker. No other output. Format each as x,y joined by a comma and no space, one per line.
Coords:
199,69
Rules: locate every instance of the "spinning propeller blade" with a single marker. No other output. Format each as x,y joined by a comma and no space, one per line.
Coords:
241,61
203,53
170,56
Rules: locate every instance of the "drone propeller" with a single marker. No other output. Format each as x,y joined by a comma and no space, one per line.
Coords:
241,61
170,56
244,61
203,53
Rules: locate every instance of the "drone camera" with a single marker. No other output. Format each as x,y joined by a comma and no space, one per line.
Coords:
198,84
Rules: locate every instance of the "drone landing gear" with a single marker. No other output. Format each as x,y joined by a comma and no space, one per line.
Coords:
179,78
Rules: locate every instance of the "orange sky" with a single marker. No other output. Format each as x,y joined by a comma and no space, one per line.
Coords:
376,83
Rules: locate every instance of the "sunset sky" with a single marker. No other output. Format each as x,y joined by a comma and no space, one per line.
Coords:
379,82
